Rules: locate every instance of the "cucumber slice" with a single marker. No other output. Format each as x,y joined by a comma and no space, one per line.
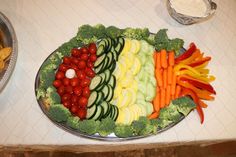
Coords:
96,82
105,91
98,113
110,61
107,72
112,67
99,60
111,93
116,113
92,99
101,50
100,98
106,108
112,81
91,112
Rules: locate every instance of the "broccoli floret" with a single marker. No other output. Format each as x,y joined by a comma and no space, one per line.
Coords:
86,34
123,131
136,33
184,105
106,127
143,126
59,113
73,122
53,98
55,59
175,44
113,32
89,126
51,89
46,78
100,31
40,93
60,55
65,49
171,113
161,39
162,123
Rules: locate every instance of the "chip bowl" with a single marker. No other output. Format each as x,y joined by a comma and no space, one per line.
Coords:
7,39
188,20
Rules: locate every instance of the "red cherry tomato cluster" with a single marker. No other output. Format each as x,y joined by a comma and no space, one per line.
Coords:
75,92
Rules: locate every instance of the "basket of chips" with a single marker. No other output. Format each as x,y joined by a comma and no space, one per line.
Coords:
8,50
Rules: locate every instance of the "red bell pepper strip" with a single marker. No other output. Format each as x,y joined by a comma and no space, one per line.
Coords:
199,62
199,84
193,95
186,54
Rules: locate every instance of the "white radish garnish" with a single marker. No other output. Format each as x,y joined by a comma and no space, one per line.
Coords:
70,73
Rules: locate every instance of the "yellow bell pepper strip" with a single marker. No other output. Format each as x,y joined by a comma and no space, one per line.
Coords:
186,54
192,57
200,62
204,71
193,95
199,84
178,70
203,94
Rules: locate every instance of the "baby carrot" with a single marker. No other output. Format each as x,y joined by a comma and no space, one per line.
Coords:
158,60
154,115
156,102
162,102
167,98
163,59
158,74
169,74
171,58
165,78
177,91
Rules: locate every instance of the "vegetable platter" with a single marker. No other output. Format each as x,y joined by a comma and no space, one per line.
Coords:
118,84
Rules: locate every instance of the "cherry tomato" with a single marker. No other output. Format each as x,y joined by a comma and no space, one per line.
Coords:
74,82
85,82
69,89
84,56
60,75
63,67
93,57
83,101
92,48
82,113
67,104
57,83
77,90
73,66
81,64
65,97
66,81
89,72
81,74
75,61
86,92
90,64
75,52
61,90
74,109
74,98
84,50
66,60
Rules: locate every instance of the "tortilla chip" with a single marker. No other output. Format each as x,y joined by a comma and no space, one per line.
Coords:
5,53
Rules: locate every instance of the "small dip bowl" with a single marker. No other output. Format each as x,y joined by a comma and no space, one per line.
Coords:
188,20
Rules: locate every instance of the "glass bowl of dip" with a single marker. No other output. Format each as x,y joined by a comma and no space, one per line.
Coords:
188,12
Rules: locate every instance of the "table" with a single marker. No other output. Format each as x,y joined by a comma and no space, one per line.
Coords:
43,25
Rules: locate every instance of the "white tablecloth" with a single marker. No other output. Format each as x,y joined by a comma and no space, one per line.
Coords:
43,25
